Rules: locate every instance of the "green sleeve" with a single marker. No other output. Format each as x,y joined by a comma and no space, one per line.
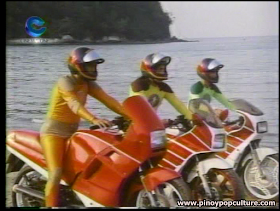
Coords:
195,91
223,100
178,105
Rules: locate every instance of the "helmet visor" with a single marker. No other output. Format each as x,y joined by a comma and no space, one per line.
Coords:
215,65
93,56
161,59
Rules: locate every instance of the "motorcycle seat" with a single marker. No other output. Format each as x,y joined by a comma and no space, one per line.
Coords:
27,138
27,143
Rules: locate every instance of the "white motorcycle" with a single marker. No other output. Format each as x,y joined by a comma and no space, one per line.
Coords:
191,150
257,166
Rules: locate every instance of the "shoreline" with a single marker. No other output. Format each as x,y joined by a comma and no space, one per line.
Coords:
25,43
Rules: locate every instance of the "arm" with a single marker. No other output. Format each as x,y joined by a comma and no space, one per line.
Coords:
66,89
222,99
178,105
97,92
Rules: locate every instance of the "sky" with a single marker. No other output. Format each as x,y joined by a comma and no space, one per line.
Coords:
201,19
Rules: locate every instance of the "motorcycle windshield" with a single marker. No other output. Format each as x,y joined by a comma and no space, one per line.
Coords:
247,107
145,130
142,114
202,108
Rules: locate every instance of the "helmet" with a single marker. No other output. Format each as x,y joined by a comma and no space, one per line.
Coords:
208,70
150,64
83,61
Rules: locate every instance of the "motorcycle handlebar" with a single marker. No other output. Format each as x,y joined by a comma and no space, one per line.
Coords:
186,123
118,121
94,127
239,120
179,120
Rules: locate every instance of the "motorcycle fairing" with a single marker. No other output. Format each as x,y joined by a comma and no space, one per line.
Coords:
181,148
236,136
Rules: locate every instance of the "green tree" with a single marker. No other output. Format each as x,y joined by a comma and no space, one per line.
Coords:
95,19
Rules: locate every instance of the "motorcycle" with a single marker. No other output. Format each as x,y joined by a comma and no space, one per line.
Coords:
191,151
258,167
101,168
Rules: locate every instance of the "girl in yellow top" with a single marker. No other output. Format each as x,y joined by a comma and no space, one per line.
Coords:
65,110
151,85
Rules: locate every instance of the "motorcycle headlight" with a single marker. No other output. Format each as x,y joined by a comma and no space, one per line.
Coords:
158,139
262,127
219,141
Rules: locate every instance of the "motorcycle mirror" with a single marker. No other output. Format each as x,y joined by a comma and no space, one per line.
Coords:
223,115
197,120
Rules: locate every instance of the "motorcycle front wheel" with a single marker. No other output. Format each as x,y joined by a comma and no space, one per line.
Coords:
224,185
257,187
168,194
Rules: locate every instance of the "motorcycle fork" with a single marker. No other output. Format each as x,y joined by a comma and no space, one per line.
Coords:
256,159
151,194
205,179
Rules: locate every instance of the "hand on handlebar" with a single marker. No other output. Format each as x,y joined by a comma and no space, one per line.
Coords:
102,123
167,122
180,122
120,122
239,121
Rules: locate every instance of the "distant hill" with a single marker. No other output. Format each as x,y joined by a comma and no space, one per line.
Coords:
133,21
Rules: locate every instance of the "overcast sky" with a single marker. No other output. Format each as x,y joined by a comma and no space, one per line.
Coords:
223,19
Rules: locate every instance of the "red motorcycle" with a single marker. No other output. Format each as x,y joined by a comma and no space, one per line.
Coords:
101,168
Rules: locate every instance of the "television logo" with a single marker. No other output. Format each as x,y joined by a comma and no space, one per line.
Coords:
33,32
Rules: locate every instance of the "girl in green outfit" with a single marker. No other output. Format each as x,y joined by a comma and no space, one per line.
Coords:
208,71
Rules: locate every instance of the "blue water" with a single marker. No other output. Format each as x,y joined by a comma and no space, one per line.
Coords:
251,72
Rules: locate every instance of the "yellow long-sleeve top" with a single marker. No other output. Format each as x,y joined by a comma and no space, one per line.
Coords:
155,92
69,97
